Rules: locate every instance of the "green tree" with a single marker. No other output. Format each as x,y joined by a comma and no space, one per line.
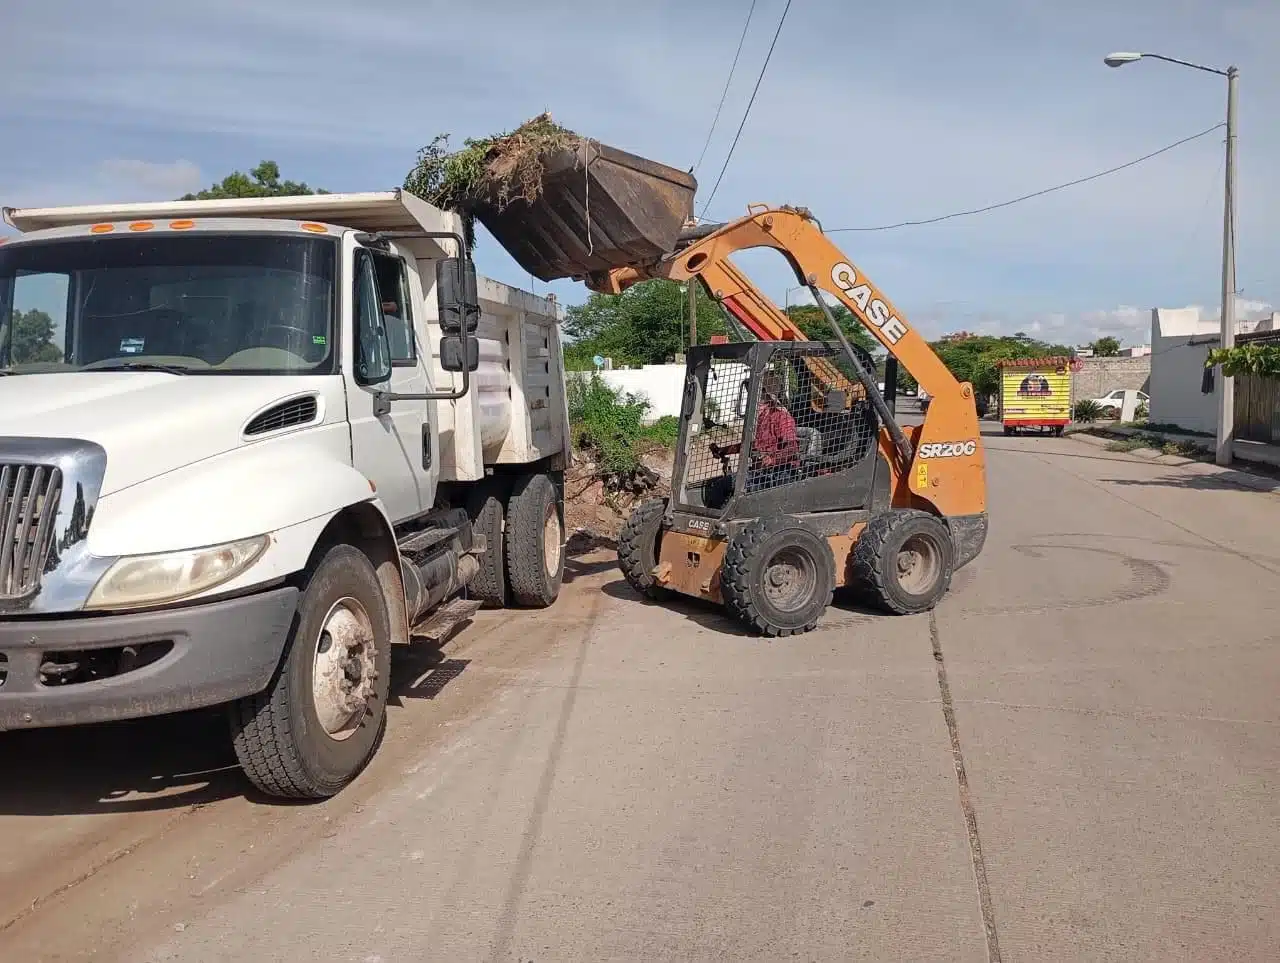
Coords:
33,333
973,358
261,181
810,319
1106,347
642,325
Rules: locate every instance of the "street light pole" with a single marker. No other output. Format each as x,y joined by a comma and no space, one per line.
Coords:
1227,315
1227,398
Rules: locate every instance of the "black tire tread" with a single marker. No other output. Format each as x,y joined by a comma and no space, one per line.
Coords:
735,586
631,548
526,570
488,514
870,566
262,729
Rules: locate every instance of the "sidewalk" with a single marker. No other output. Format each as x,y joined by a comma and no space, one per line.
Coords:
1253,455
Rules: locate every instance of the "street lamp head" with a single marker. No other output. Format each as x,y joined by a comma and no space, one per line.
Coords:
1121,58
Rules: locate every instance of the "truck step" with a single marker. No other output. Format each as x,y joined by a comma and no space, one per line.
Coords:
440,624
425,539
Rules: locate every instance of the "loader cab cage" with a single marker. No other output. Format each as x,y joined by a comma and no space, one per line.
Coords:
771,427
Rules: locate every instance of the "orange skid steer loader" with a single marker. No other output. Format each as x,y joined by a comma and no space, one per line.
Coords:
792,476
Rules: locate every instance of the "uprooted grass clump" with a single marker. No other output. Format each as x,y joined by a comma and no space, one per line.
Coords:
497,170
610,428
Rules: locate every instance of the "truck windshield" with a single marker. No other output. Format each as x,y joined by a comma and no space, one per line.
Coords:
185,303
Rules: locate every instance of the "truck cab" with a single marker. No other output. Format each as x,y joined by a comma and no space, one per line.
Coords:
246,447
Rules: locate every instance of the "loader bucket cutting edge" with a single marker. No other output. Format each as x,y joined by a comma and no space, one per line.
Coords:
600,208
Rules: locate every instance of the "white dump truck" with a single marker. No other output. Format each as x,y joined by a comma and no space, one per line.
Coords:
249,445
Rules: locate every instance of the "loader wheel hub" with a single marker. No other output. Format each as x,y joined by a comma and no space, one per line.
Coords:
790,579
919,563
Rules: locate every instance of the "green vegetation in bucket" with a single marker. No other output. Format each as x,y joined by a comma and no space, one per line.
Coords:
500,169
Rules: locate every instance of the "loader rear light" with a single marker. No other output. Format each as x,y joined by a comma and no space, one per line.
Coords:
102,229
314,228
182,225
141,226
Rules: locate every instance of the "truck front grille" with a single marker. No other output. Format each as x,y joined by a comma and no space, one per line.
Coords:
29,496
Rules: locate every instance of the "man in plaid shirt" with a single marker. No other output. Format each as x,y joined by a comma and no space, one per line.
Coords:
775,450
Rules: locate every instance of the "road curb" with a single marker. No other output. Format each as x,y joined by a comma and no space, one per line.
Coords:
1228,476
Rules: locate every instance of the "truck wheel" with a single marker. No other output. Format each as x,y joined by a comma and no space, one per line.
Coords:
639,545
488,516
904,560
535,542
322,718
777,577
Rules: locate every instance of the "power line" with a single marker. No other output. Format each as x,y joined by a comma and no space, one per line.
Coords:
1027,197
747,113
729,80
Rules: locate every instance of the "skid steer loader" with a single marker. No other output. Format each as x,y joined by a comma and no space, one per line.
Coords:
793,476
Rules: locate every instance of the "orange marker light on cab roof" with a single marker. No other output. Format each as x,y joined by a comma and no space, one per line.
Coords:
141,226
182,225
314,228
102,229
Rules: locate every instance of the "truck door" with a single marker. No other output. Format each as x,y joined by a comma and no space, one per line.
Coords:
392,449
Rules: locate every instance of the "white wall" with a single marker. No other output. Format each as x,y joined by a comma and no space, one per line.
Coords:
1180,342
662,385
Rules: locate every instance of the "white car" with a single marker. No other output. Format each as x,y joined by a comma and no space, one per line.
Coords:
1112,404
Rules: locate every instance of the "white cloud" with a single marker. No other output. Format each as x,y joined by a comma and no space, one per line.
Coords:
166,180
120,180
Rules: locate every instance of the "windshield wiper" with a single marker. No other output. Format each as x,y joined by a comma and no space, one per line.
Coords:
174,369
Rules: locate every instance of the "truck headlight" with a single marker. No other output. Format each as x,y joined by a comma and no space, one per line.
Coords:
139,580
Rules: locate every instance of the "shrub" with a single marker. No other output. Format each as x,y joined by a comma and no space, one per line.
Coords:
1086,411
1141,413
611,426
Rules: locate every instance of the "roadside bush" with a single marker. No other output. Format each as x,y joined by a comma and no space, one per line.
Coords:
609,425
1086,411
1141,413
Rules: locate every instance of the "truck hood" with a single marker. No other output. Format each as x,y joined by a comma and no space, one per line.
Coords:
150,423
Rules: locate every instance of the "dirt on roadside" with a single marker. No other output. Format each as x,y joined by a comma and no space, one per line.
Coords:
595,512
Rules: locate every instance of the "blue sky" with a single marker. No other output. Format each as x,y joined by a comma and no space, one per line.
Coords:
870,113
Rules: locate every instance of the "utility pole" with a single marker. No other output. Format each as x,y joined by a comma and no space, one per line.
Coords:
1227,398
691,287
1227,316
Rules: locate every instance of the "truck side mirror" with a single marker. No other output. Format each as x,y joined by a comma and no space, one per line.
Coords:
453,357
457,295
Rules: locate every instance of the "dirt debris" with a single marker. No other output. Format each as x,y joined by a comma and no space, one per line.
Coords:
597,506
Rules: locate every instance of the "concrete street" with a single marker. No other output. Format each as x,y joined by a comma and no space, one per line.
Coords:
1074,758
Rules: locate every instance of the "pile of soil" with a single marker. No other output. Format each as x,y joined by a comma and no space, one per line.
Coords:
597,507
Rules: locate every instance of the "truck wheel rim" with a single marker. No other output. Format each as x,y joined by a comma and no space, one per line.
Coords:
918,564
551,540
344,674
789,579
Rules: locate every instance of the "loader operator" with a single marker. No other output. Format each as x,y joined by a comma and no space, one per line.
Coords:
775,449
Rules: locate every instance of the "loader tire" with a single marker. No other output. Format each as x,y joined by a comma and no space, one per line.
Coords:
639,546
903,562
488,518
535,542
322,718
778,577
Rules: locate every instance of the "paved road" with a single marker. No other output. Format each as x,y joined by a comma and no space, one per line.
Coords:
1073,758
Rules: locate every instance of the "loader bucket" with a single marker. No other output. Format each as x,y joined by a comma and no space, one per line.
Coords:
600,208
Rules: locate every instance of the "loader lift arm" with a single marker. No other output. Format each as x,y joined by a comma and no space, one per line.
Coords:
821,266
817,263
